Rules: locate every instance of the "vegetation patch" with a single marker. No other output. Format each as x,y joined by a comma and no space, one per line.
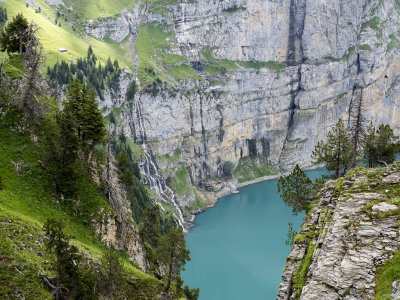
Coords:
300,277
234,8
54,37
250,168
385,276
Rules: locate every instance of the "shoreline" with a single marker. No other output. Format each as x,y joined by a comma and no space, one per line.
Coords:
233,188
258,180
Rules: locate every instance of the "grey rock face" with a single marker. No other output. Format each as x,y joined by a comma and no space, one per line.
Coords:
396,290
335,53
349,243
119,229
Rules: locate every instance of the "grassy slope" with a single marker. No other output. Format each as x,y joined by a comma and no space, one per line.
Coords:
54,37
25,204
92,9
152,45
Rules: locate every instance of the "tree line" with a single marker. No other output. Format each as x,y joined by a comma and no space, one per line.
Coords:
96,75
345,148
72,140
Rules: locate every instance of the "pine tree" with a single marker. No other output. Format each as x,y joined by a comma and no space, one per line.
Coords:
67,257
336,153
357,129
172,253
151,226
15,35
112,274
109,66
296,190
124,167
370,151
93,127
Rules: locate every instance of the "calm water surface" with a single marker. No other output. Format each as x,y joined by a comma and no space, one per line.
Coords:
238,248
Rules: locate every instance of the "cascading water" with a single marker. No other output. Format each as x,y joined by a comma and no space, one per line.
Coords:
149,167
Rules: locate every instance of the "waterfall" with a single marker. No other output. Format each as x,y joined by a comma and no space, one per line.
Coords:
149,166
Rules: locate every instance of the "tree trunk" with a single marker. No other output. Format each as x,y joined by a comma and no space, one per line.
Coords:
20,42
170,272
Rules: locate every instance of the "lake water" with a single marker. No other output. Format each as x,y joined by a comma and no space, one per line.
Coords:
238,247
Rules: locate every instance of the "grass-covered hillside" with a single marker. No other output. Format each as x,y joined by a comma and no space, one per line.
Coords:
67,32
27,200
76,220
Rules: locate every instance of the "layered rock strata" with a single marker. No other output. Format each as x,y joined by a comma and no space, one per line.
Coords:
347,236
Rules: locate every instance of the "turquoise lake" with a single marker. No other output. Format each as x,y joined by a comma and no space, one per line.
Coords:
238,247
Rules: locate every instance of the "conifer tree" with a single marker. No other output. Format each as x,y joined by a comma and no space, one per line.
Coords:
93,127
357,129
67,257
15,35
151,226
296,190
369,152
336,153
380,145
112,274
172,253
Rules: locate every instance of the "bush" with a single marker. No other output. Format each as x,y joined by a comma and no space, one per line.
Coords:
227,168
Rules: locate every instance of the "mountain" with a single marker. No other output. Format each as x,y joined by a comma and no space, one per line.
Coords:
242,88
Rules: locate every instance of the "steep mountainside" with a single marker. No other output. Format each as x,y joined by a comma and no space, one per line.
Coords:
242,87
348,245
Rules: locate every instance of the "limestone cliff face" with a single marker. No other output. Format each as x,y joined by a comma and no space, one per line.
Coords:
119,229
347,236
285,71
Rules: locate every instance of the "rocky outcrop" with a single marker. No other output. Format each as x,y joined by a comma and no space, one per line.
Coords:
119,229
349,233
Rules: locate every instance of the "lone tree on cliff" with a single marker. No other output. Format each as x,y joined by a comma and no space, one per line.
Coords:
357,129
336,153
296,190
172,253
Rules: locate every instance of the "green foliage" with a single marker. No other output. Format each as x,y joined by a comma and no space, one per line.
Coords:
250,168
131,91
88,69
112,275
234,8
228,168
81,108
300,277
67,281
172,253
14,67
129,175
291,234
3,15
79,127
150,225
380,145
14,36
21,248
296,190
386,275
365,47
336,153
